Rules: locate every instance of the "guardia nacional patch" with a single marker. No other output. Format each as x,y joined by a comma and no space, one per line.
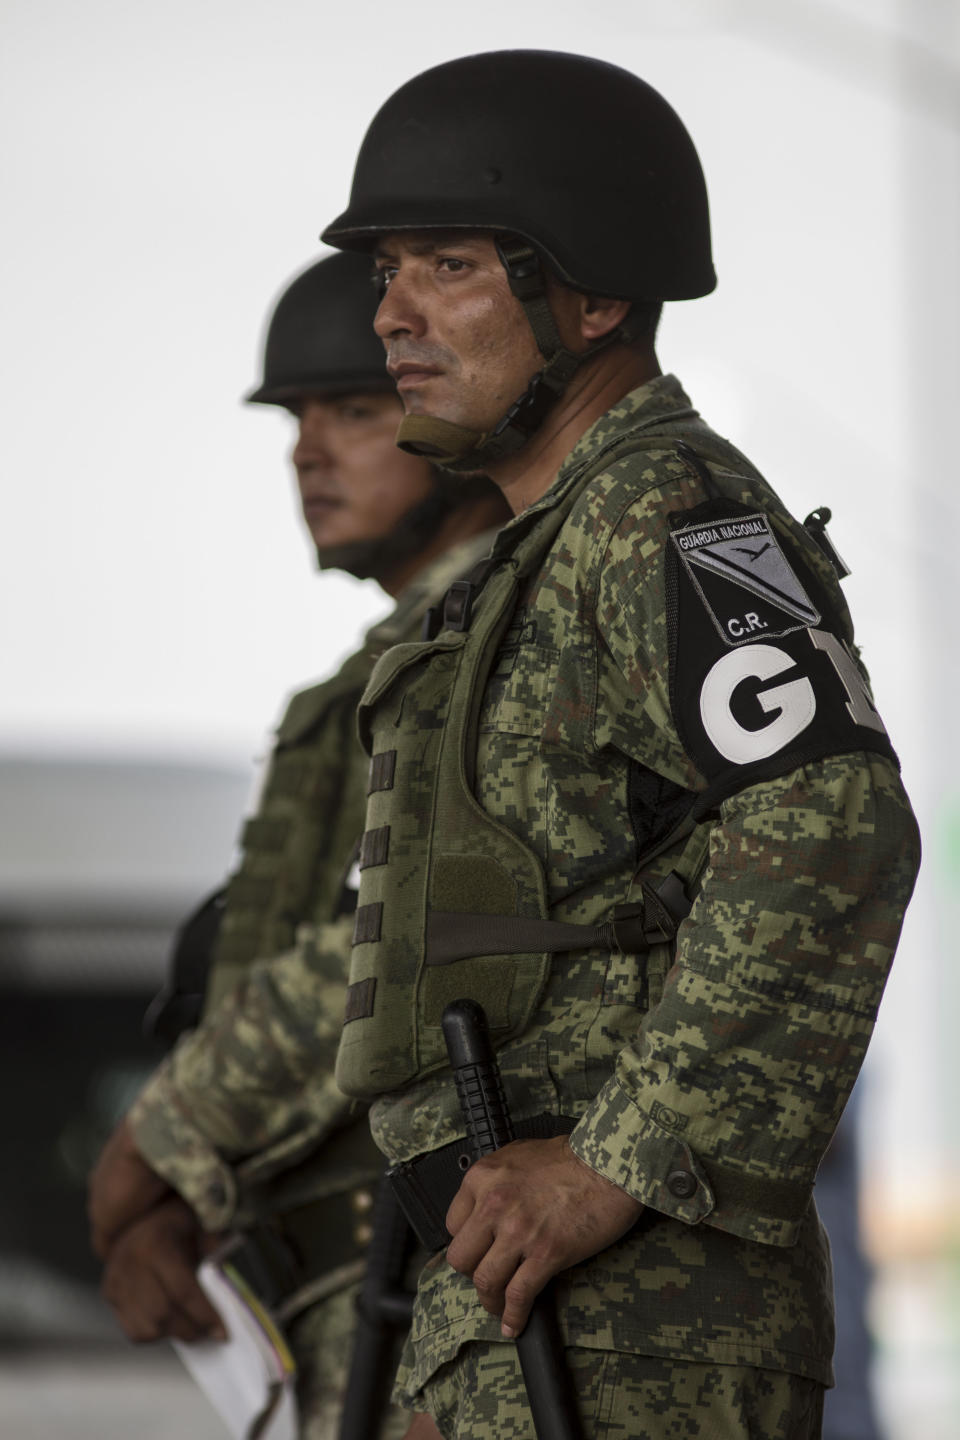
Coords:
761,678
744,579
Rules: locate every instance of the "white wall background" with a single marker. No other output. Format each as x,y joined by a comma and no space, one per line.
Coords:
166,168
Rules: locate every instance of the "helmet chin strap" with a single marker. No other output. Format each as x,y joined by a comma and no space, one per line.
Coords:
457,448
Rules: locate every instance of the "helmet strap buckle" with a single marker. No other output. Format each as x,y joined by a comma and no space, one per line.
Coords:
527,412
522,264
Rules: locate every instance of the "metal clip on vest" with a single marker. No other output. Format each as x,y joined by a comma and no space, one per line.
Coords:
458,605
816,525
480,1090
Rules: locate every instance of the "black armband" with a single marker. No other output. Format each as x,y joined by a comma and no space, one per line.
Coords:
761,680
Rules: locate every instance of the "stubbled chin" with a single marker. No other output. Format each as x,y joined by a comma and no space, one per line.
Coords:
323,536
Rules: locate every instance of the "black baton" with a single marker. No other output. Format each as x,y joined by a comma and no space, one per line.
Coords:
383,1316
539,1345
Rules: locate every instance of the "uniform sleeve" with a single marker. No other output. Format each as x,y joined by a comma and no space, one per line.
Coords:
251,1091
722,1108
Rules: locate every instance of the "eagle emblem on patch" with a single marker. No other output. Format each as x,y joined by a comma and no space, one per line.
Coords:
744,579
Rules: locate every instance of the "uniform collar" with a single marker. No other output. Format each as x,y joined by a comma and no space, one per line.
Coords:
654,403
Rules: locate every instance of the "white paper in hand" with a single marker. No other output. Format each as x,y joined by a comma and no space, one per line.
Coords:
248,1378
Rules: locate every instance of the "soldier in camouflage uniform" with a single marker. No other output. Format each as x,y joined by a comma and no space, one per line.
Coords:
631,793
306,1191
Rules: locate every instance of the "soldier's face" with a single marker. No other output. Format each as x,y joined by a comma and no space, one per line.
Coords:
458,343
354,483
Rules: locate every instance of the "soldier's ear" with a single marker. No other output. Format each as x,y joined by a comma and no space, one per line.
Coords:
599,315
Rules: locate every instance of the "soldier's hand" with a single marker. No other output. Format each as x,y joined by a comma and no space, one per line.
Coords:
526,1213
122,1188
150,1278
422,1428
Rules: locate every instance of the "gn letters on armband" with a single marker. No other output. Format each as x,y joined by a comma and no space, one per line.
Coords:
761,678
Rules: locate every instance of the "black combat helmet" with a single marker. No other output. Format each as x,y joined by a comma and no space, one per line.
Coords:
320,339
579,157
570,162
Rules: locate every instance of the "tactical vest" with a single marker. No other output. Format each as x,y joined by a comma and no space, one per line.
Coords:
306,822
452,903
297,847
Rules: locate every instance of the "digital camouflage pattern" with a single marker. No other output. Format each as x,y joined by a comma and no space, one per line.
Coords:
323,1336
241,1137
250,1092
626,1397
707,1088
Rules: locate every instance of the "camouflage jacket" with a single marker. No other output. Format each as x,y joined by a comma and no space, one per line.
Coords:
224,1115
619,703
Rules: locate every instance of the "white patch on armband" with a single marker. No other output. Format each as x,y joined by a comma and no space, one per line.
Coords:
860,704
792,706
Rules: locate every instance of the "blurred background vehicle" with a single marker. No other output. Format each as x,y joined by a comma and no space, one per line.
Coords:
100,860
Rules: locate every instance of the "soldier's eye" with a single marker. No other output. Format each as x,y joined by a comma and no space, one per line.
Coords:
381,280
355,410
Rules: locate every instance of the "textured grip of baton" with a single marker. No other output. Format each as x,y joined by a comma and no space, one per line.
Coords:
487,1120
479,1087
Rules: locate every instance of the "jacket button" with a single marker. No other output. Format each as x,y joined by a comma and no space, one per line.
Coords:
361,1202
681,1183
362,1235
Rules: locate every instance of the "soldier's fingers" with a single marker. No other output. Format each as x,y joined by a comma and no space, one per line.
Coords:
101,1240
149,1305
460,1209
422,1428
187,1296
139,1304
495,1272
469,1245
524,1287
182,1326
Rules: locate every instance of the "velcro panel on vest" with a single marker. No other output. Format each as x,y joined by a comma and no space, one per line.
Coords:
366,926
480,885
488,976
374,847
471,920
477,883
382,769
360,998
